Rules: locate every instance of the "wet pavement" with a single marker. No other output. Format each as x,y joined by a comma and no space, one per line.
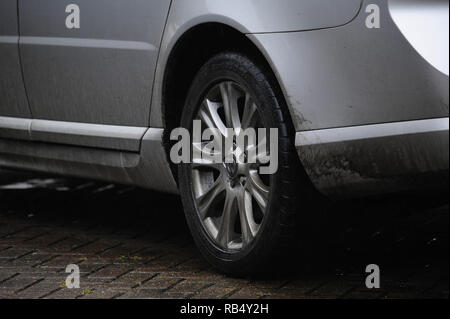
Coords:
134,243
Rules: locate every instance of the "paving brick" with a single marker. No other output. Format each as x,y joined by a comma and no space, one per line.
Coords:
134,277
214,292
108,271
152,294
65,293
40,288
160,283
101,292
19,282
189,286
7,293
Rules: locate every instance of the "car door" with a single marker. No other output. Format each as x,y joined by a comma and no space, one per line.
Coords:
14,111
89,67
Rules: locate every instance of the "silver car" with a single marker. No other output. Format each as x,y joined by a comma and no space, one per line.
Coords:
357,90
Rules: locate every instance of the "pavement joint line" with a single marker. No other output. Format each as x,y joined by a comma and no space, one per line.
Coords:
107,249
347,292
23,255
181,262
309,292
121,275
84,244
201,289
45,261
284,284
36,236
50,293
228,295
118,295
189,296
173,285
10,277
200,270
30,285
58,241
15,232
145,281
94,271
5,248
148,262
82,294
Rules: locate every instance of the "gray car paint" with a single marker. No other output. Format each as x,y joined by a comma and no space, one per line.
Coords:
353,75
369,159
101,73
247,17
333,71
13,100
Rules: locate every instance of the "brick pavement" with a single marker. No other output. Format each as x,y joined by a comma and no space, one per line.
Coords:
132,243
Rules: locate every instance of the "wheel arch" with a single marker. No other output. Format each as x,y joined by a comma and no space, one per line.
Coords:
188,55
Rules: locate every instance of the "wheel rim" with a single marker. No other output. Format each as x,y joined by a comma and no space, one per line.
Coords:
231,198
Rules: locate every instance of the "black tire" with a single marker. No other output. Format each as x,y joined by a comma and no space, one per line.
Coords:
272,246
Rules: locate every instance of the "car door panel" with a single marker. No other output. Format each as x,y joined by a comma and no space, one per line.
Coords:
13,100
101,73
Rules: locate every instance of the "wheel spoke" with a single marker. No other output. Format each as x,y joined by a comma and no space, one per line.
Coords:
206,200
230,96
257,152
258,190
248,226
225,230
209,115
249,112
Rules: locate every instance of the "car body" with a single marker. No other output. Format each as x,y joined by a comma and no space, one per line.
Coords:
369,105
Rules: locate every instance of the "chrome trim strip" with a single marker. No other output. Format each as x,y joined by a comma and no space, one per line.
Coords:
15,128
85,129
343,134
126,138
87,43
9,39
15,123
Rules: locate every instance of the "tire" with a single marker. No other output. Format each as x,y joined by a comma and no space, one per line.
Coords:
271,247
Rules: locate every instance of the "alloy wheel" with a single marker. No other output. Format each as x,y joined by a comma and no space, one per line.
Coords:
232,197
